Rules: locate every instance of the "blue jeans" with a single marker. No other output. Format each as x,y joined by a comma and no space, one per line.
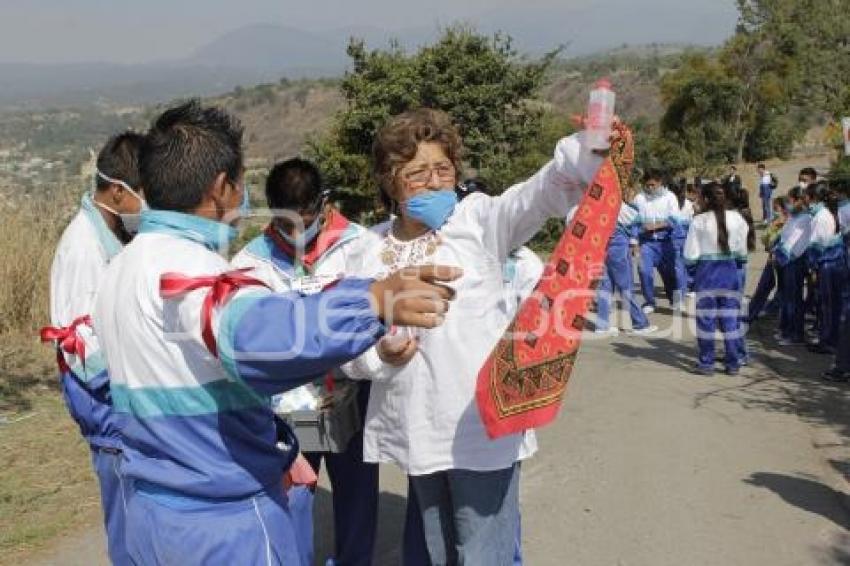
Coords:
619,276
766,194
767,209
466,517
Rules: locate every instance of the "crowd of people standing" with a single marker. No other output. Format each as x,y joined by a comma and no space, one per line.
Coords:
176,358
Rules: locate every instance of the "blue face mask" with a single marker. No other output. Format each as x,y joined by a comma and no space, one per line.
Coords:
305,238
432,208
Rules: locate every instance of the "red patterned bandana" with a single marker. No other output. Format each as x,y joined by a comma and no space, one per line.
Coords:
335,226
522,383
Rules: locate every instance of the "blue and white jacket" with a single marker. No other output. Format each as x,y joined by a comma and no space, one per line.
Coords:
85,249
826,243
794,238
659,207
686,216
714,268
197,424
278,270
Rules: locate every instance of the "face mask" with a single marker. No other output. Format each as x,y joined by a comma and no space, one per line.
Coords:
305,238
128,220
802,184
432,208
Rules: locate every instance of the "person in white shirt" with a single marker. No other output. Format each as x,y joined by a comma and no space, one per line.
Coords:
107,219
422,413
826,256
716,245
790,256
196,349
840,370
767,184
308,245
658,216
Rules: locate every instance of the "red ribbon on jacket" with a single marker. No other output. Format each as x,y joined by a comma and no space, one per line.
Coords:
221,288
68,340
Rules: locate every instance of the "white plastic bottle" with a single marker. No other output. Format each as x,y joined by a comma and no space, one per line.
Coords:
600,115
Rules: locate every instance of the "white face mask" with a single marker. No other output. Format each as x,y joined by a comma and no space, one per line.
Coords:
129,221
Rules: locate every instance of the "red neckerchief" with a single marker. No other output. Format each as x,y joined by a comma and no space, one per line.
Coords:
521,384
331,233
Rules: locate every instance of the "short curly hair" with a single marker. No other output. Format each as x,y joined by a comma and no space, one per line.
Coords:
397,142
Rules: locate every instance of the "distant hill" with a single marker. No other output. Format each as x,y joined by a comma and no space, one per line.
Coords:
276,50
266,52
280,115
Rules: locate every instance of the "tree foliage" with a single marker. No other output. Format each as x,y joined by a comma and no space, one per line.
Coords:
786,68
479,80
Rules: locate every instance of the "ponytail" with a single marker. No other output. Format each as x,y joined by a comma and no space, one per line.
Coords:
715,199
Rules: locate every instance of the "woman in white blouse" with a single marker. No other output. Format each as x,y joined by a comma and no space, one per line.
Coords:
422,412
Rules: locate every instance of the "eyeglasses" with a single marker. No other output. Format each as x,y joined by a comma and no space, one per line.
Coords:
422,175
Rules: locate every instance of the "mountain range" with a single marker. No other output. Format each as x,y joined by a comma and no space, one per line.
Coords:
268,51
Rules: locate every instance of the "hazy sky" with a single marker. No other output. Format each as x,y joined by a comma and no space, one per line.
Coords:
121,31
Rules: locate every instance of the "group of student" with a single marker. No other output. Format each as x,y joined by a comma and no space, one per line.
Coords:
807,238
171,352
698,236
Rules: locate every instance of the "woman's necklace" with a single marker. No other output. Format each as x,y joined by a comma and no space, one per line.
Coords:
397,254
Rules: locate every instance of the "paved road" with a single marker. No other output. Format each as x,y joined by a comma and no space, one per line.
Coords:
650,465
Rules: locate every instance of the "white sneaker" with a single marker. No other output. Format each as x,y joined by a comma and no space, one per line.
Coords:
647,309
651,329
611,332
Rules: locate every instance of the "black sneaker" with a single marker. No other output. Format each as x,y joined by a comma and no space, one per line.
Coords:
733,371
703,371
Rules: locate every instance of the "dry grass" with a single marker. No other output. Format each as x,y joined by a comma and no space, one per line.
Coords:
46,482
29,230
47,485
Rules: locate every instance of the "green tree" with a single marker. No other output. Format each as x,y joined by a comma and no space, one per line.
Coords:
786,68
701,101
479,80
